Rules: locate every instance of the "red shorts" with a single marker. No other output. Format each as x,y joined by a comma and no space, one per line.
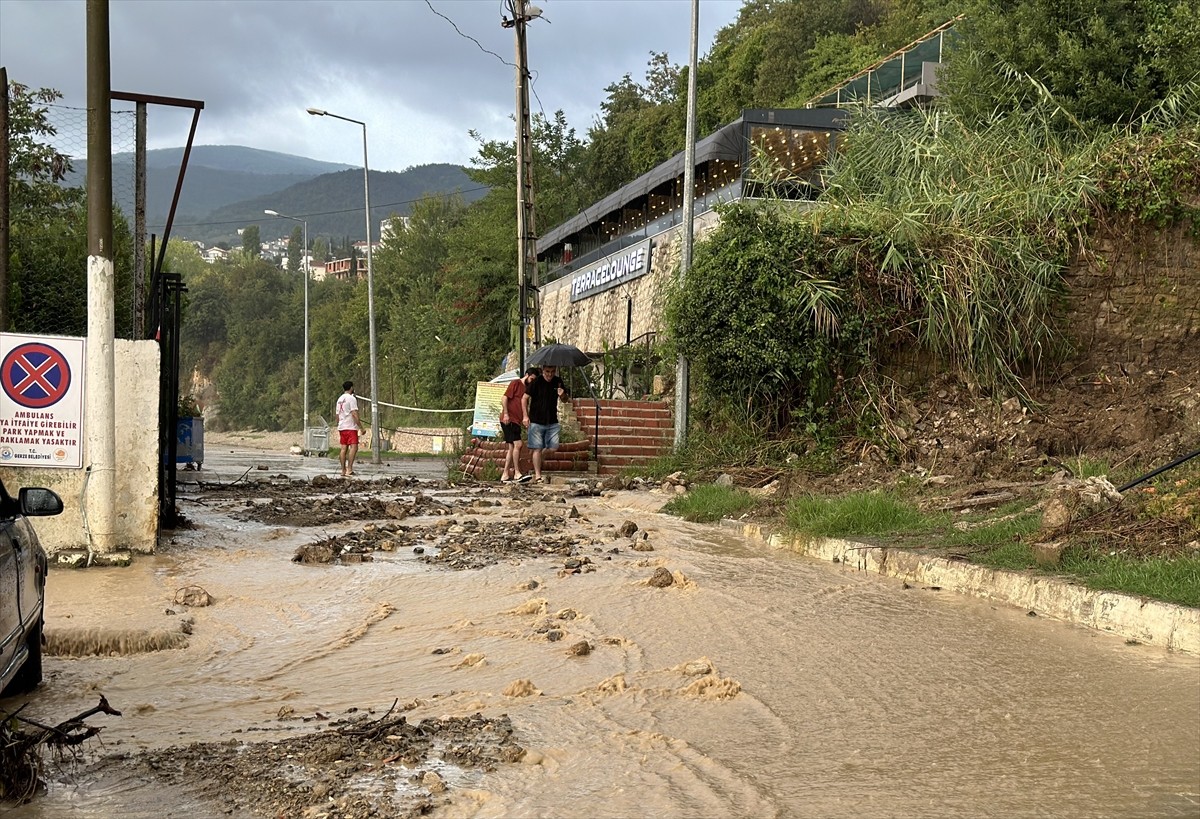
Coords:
349,437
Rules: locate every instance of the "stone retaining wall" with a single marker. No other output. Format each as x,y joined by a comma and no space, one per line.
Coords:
603,319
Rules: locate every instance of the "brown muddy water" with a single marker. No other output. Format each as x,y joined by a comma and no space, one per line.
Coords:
757,684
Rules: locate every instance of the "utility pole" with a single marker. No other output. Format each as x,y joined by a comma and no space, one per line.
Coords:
526,249
100,362
689,211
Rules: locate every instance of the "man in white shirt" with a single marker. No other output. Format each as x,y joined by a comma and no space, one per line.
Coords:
349,426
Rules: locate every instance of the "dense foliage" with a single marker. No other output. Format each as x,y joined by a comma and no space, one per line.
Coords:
950,240
771,316
1101,61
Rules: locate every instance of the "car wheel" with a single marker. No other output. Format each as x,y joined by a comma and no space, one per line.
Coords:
30,674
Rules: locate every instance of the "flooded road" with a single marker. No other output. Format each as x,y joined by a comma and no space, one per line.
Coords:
756,684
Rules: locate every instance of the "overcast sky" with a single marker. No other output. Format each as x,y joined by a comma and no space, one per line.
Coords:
418,84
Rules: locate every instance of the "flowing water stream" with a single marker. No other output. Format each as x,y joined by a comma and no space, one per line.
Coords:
759,684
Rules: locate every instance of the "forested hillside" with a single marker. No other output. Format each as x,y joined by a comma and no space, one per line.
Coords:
334,203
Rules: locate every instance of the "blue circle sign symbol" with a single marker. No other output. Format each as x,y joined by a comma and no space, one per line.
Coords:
35,375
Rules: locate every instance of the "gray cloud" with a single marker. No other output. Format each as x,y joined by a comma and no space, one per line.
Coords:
419,84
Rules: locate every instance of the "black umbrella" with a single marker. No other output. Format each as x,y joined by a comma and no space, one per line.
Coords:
558,355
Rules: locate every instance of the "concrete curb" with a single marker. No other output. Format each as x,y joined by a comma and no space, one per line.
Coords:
1152,622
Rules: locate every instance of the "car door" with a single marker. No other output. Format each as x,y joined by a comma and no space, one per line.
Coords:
10,615
31,583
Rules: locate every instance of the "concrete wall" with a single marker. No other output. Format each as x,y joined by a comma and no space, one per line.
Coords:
593,322
1152,622
136,520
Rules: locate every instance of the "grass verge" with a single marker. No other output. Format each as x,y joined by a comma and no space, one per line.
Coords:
857,514
1001,539
707,503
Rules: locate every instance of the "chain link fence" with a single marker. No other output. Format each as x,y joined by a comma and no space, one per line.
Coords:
48,264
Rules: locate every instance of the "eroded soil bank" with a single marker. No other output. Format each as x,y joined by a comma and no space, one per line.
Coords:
397,648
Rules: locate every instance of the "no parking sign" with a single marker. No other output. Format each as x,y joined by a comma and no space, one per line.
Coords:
41,400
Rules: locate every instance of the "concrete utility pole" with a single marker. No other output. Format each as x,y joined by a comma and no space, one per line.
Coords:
526,250
100,389
689,210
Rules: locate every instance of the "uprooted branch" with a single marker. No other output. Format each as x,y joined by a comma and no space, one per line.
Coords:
20,751
72,731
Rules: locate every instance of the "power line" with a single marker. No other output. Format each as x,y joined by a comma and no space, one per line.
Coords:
467,36
532,76
334,212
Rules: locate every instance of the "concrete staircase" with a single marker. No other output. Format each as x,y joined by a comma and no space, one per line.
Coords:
630,432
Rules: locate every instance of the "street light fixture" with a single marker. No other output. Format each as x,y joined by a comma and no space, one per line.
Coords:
305,267
376,428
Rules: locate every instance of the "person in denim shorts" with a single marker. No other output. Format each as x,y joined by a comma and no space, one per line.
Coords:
541,414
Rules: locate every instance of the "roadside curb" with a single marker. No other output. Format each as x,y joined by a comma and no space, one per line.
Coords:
1170,626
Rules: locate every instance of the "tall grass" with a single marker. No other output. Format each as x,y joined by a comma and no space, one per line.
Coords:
969,229
708,502
856,514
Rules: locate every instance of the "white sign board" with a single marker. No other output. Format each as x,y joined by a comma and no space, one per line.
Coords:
41,401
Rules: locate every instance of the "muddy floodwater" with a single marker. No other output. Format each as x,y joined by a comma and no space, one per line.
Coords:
741,682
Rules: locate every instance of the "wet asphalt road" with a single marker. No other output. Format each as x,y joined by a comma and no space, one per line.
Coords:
229,463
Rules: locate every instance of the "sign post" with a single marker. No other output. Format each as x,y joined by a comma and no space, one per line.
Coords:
41,401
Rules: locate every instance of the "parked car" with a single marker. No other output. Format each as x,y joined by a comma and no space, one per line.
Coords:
22,587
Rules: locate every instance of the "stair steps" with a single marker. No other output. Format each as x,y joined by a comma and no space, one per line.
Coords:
631,433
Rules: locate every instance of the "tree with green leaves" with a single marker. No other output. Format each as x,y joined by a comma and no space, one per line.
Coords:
48,229
251,242
295,249
320,251
1100,61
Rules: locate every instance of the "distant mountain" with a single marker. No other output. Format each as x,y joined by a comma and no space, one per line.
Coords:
236,158
228,187
333,204
216,176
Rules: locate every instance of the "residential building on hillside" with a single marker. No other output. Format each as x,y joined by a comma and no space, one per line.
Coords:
343,269
215,254
391,226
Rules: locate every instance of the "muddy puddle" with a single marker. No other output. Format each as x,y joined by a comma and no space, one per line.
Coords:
496,652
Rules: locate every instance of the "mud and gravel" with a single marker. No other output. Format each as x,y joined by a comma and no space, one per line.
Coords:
460,543
362,765
350,764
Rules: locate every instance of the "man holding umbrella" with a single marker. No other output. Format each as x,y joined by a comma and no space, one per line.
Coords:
542,395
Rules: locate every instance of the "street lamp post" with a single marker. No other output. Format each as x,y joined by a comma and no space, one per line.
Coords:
376,429
305,268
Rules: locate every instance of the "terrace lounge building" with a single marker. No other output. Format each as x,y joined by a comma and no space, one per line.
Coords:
604,272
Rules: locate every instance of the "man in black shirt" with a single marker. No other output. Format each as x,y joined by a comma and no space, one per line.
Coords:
541,414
